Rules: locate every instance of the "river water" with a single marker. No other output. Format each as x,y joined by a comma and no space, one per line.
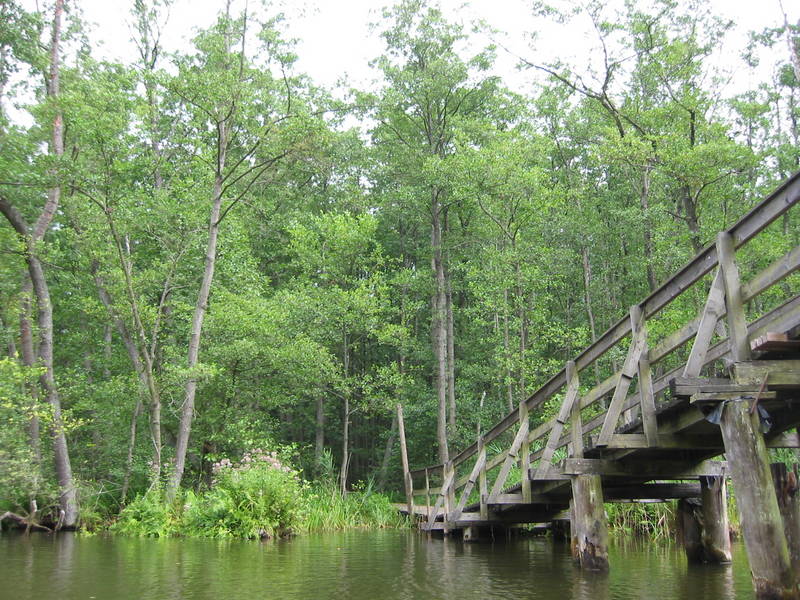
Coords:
356,565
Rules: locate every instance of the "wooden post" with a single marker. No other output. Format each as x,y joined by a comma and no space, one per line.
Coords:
762,525
404,458
690,531
716,533
471,534
483,490
576,426
786,487
427,494
447,493
737,322
589,528
525,454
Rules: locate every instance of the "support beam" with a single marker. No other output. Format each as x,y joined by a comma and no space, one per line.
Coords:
589,527
762,525
561,419
525,453
786,489
716,538
690,530
737,322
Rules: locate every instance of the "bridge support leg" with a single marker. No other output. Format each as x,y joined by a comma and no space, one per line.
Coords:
690,529
786,489
762,525
716,532
471,534
589,527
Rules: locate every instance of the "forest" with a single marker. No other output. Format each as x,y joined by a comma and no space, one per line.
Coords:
207,259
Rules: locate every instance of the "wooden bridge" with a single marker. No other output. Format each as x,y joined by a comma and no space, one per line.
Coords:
711,366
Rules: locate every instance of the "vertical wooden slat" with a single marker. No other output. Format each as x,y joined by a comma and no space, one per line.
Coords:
427,493
404,458
570,398
737,323
482,487
647,399
575,414
525,454
511,457
713,309
629,369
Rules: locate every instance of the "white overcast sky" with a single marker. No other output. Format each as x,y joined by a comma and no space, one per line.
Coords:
335,38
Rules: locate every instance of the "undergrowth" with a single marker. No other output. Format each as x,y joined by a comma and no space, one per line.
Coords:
258,497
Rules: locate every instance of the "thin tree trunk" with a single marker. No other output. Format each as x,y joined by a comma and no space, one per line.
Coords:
587,298
187,413
451,358
387,454
319,432
507,353
439,325
29,360
644,199
345,416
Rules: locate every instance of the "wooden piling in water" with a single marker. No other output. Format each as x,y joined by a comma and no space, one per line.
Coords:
588,524
690,529
716,537
762,525
786,488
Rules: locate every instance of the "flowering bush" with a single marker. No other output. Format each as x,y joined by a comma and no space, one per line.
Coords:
257,497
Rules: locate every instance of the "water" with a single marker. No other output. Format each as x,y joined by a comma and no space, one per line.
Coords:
382,565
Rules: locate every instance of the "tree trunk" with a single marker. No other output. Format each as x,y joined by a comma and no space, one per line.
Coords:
187,414
345,416
387,454
451,359
587,298
439,324
319,433
644,199
29,360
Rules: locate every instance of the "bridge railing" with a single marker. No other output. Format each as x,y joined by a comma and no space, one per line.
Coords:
514,443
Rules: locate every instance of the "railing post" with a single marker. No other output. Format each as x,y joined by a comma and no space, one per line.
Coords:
525,454
762,525
427,494
576,427
404,458
483,490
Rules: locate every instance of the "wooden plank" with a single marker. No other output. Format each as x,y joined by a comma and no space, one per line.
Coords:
570,399
713,309
715,397
482,489
775,342
626,375
782,373
510,458
652,469
480,463
525,453
576,426
737,323
647,397
404,460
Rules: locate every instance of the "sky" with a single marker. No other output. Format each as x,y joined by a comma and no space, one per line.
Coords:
334,36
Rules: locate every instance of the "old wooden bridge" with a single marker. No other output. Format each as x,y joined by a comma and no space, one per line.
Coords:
727,382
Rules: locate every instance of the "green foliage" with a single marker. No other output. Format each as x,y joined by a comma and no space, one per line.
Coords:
655,521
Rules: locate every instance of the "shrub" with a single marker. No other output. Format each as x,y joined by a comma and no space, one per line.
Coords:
258,497
148,515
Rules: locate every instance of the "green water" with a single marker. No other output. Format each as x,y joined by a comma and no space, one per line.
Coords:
382,565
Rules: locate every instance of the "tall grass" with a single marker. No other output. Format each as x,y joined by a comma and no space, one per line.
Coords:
258,497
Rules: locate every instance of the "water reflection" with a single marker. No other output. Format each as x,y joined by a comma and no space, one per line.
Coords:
383,565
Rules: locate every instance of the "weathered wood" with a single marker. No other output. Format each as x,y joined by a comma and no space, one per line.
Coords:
689,386
510,459
716,539
653,469
471,534
564,412
427,492
762,526
712,311
588,523
576,426
409,485
474,475
786,487
716,397
737,323
647,400
482,487
774,342
782,373
629,369
525,453
690,530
